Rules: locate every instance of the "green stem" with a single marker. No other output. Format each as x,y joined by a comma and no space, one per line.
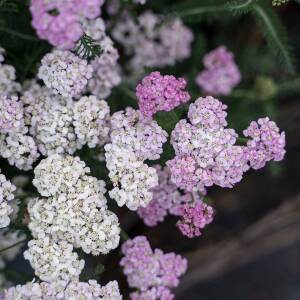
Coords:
289,87
242,141
247,94
260,12
124,236
12,246
19,34
202,10
128,92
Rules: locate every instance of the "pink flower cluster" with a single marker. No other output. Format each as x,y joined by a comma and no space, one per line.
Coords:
266,143
160,93
153,273
59,22
206,151
221,74
194,218
167,199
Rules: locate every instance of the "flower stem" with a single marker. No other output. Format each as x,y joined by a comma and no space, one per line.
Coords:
124,236
12,246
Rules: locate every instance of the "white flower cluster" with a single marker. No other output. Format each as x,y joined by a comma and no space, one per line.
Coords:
6,195
73,290
52,260
151,42
133,140
77,210
106,73
61,125
91,121
11,114
65,73
15,144
8,85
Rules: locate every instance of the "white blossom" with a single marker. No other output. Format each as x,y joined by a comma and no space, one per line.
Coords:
58,173
6,195
74,290
19,149
52,260
65,73
91,121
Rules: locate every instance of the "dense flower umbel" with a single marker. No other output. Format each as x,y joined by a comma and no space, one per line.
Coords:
76,211
91,121
194,217
61,125
59,22
221,74
266,142
8,85
65,73
11,114
152,42
167,199
74,290
206,151
146,269
53,261
134,139
6,195
160,93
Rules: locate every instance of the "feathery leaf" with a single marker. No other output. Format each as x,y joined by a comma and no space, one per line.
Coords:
275,34
87,48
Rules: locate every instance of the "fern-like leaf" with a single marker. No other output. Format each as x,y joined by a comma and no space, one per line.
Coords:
87,48
239,7
275,34
196,11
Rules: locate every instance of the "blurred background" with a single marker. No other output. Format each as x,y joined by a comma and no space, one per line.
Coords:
252,249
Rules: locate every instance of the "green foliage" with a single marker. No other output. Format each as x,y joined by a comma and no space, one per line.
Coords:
87,48
279,2
275,34
238,7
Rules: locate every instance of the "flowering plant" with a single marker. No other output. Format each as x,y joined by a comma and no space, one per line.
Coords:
109,123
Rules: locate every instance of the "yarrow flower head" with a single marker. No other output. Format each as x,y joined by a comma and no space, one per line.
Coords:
205,150
8,84
221,74
91,121
19,149
11,114
57,174
146,269
160,93
59,22
134,139
61,125
65,73
167,199
194,218
266,142
151,42
6,195
53,260
60,290
76,210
